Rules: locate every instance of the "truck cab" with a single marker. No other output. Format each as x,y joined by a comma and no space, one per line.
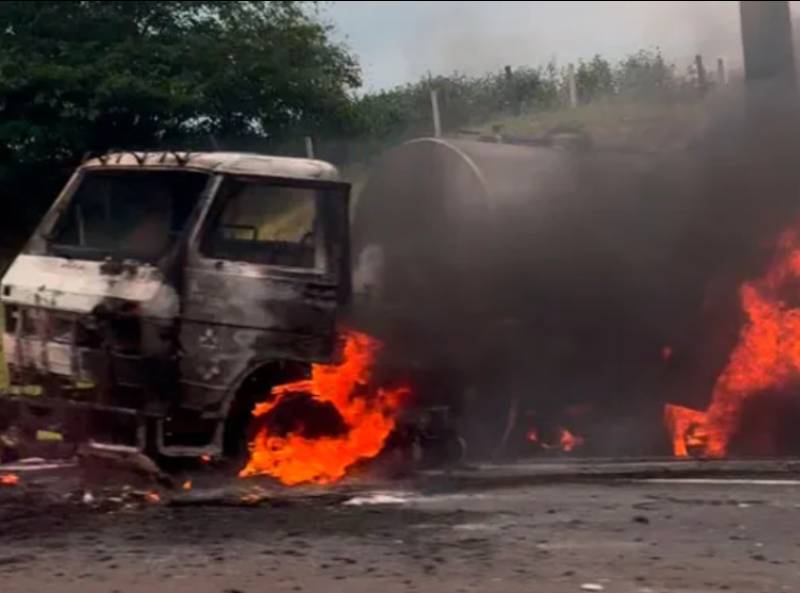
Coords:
165,292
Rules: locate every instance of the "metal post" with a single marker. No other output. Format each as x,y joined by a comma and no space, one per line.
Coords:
721,78
767,41
572,87
437,122
309,147
769,64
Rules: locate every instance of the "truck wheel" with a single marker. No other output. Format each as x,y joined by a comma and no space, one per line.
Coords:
446,450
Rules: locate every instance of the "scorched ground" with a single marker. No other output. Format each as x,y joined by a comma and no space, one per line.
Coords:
545,527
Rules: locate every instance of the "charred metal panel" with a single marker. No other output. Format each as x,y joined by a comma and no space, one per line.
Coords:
237,315
80,286
177,335
217,357
237,163
232,294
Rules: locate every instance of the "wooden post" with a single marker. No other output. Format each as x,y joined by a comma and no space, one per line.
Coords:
572,87
701,73
437,122
513,96
309,147
721,78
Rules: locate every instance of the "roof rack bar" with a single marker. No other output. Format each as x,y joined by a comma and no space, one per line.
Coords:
140,159
182,160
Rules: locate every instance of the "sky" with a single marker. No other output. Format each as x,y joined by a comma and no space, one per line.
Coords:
398,42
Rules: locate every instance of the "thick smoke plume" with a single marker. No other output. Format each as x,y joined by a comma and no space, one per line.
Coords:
594,279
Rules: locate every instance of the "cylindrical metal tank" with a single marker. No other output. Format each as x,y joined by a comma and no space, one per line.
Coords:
521,268
432,212
488,225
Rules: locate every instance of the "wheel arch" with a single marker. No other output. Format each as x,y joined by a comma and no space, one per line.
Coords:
251,387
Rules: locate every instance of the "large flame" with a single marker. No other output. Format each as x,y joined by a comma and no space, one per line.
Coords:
368,414
766,357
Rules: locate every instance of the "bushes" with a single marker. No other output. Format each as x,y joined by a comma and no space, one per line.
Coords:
405,111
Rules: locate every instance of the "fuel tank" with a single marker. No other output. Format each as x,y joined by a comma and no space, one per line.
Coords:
452,233
528,272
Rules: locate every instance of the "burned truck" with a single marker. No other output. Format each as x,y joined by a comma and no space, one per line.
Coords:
163,291
165,294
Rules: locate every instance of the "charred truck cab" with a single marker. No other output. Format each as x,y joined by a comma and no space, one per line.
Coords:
163,293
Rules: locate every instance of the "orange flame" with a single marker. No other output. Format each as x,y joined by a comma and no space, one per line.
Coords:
153,497
187,485
9,480
369,419
567,441
767,356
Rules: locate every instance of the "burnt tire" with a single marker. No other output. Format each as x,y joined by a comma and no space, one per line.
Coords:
446,450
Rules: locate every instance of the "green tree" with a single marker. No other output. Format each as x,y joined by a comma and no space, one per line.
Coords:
78,77
405,111
594,79
646,76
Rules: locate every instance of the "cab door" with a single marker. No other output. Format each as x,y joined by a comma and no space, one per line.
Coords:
266,273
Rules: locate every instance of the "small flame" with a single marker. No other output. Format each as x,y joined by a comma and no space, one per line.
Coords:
368,414
569,442
766,357
153,497
9,479
187,485
205,458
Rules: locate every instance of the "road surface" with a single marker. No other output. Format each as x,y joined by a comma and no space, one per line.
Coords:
645,533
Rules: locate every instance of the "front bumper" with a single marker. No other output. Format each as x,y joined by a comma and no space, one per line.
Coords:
33,413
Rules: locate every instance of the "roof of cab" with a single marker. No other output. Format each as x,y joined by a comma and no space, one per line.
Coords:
240,163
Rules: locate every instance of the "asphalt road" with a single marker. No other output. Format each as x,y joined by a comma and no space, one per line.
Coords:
697,534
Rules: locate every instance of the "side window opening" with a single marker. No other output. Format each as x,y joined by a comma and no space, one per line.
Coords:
264,223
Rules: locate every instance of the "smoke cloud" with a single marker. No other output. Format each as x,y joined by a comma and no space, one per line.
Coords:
547,279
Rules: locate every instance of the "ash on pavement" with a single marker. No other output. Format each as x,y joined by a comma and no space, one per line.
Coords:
720,530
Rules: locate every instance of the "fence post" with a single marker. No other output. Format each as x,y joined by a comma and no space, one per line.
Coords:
513,94
701,73
437,122
309,147
572,87
721,78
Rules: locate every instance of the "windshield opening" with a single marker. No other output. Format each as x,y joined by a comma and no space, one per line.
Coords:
127,214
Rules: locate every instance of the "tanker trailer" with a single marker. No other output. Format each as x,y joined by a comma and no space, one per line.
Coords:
508,280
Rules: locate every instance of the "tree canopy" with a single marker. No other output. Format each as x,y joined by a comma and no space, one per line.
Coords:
87,76
78,77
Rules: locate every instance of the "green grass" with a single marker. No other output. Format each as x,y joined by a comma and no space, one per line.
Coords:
617,123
